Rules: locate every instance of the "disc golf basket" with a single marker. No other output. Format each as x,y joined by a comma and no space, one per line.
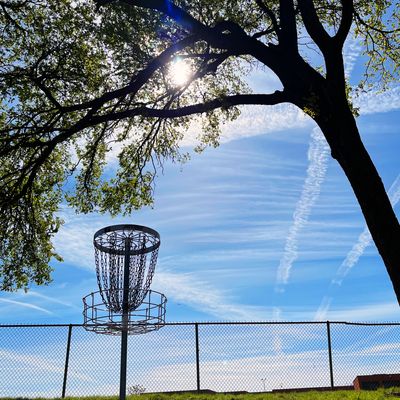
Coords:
125,256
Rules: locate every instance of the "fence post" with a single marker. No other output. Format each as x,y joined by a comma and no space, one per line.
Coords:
196,329
66,361
328,331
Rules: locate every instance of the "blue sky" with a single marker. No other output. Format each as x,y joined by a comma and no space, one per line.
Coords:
265,227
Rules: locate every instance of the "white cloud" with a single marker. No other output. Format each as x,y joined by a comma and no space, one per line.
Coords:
202,296
375,102
232,357
39,363
47,299
261,120
74,241
26,305
364,240
318,159
292,368
33,375
232,373
382,349
372,101
351,52
394,192
255,120
322,312
368,312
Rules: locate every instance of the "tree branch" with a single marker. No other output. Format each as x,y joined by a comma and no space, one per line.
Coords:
138,80
236,41
47,92
8,16
215,36
270,14
265,32
313,25
331,47
345,22
362,22
176,13
223,102
288,30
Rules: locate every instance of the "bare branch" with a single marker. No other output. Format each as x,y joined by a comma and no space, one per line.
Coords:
313,25
47,92
288,31
270,14
362,22
265,32
345,22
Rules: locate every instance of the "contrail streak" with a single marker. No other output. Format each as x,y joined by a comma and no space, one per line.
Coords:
364,240
27,305
318,160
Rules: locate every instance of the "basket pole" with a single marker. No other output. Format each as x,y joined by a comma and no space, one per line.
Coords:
125,316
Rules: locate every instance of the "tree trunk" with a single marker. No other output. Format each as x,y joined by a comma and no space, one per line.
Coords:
342,134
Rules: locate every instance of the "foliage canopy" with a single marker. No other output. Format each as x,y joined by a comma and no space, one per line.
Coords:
79,79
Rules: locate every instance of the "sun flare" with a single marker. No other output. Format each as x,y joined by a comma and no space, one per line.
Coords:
179,72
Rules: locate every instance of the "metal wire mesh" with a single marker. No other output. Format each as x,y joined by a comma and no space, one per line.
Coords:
114,247
223,357
158,361
32,361
263,357
364,350
148,316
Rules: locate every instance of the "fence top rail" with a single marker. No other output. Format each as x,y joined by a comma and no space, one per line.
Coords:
220,323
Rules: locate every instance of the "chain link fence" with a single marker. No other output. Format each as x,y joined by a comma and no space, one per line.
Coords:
66,360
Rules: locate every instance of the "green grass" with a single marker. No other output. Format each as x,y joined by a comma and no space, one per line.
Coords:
381,394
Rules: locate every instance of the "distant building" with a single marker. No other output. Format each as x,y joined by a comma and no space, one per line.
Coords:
372,382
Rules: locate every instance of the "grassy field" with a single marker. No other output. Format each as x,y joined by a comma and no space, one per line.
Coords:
383,394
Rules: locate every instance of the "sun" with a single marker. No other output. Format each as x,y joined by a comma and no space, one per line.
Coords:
179,72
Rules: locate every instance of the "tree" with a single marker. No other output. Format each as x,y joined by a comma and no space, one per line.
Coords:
77,78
